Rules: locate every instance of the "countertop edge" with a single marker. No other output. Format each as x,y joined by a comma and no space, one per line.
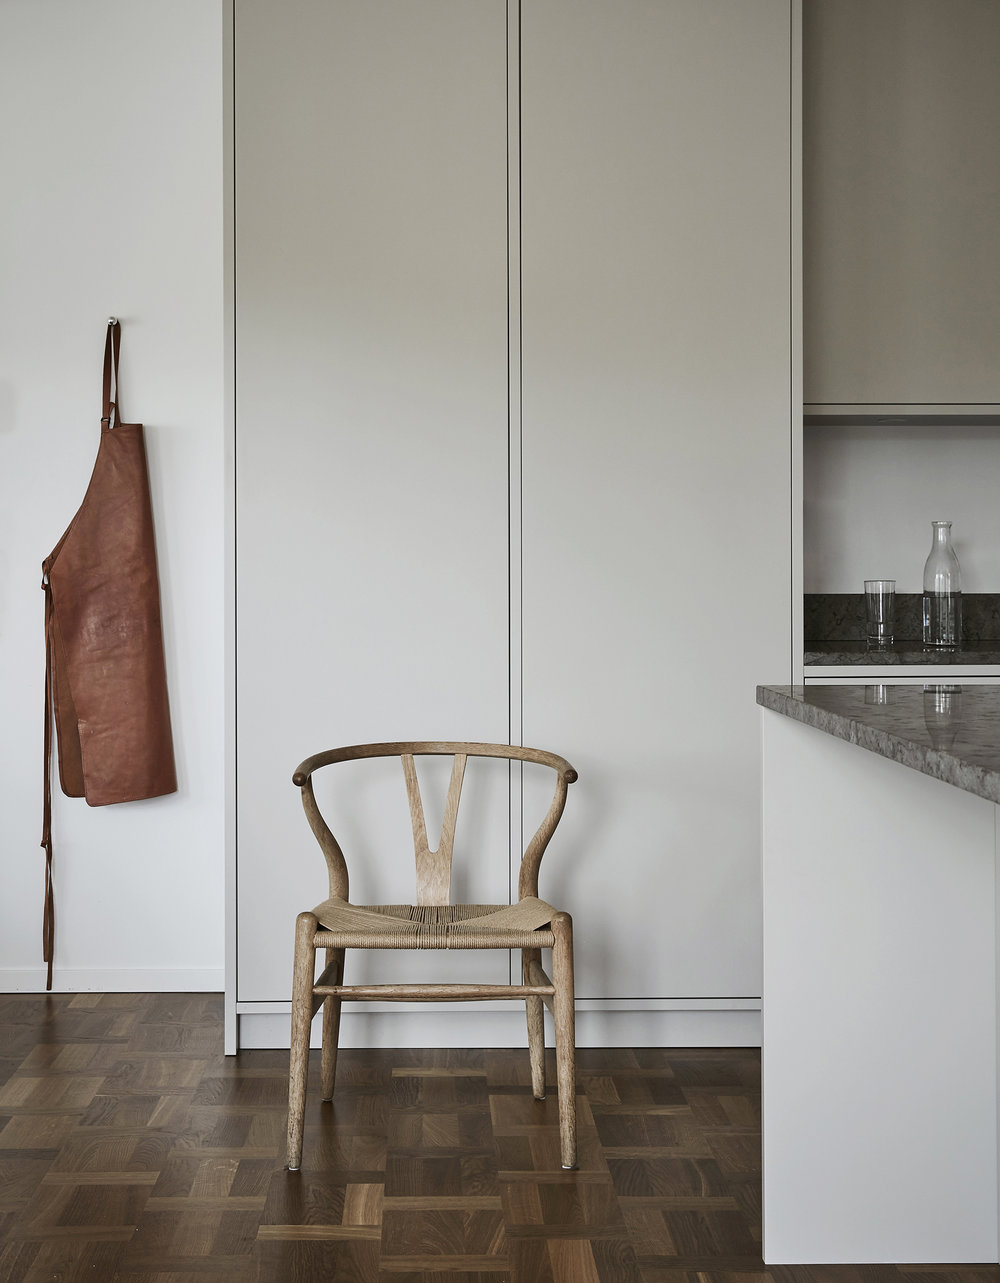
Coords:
937,763
837,655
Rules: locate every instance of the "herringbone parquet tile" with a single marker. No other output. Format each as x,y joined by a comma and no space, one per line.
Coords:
133,1151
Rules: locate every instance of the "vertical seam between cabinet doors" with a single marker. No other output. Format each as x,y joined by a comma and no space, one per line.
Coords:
231,841
791,337
515,633
796,443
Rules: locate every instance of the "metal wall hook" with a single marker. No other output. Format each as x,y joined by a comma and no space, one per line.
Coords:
112,320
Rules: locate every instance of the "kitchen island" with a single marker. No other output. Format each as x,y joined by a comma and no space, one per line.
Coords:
880,973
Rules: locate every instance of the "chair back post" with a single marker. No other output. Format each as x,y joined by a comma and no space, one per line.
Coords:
527,881
335,863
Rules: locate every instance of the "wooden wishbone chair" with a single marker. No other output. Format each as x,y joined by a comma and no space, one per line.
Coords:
433,922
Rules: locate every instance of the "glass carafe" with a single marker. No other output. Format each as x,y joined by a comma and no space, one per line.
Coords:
942,622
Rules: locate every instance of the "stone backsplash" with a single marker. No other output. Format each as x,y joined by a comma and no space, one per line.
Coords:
833,617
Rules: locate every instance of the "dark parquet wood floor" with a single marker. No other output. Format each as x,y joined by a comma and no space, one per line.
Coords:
133,1151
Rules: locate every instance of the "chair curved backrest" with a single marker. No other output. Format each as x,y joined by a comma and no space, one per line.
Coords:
433,867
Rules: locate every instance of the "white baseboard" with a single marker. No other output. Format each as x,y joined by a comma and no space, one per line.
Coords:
685,1023
106,980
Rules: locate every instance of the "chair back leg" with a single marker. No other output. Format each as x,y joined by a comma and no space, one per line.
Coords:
564,1013
536,1026
331,1025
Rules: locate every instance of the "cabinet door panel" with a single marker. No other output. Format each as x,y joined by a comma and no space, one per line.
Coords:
901,195
372,425
656,456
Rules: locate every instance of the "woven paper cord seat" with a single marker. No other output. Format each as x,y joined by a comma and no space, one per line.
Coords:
530,924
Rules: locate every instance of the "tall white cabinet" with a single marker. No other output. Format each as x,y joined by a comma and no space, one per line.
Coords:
514,410
371,415
656,445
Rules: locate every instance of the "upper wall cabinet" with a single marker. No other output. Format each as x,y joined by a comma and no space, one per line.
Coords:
901,202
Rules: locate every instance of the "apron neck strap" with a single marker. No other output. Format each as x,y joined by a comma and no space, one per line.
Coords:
110,408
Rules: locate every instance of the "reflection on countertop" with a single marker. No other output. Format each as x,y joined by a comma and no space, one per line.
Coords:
948,731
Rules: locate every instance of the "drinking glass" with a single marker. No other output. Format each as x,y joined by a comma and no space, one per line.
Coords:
880,611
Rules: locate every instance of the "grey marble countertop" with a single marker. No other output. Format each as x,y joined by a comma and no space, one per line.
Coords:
900,653
949,732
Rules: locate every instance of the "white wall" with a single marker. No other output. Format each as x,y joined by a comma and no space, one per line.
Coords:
111,155
870,494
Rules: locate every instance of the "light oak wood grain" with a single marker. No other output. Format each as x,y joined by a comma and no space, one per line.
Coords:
433,922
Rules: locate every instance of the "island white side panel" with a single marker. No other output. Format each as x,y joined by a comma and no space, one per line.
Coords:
879,1088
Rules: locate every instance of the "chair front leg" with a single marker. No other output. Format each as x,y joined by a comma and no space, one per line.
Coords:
303,975
564,1011
536,1027
331,1026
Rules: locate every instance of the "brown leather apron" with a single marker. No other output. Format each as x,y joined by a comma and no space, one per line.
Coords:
105,679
